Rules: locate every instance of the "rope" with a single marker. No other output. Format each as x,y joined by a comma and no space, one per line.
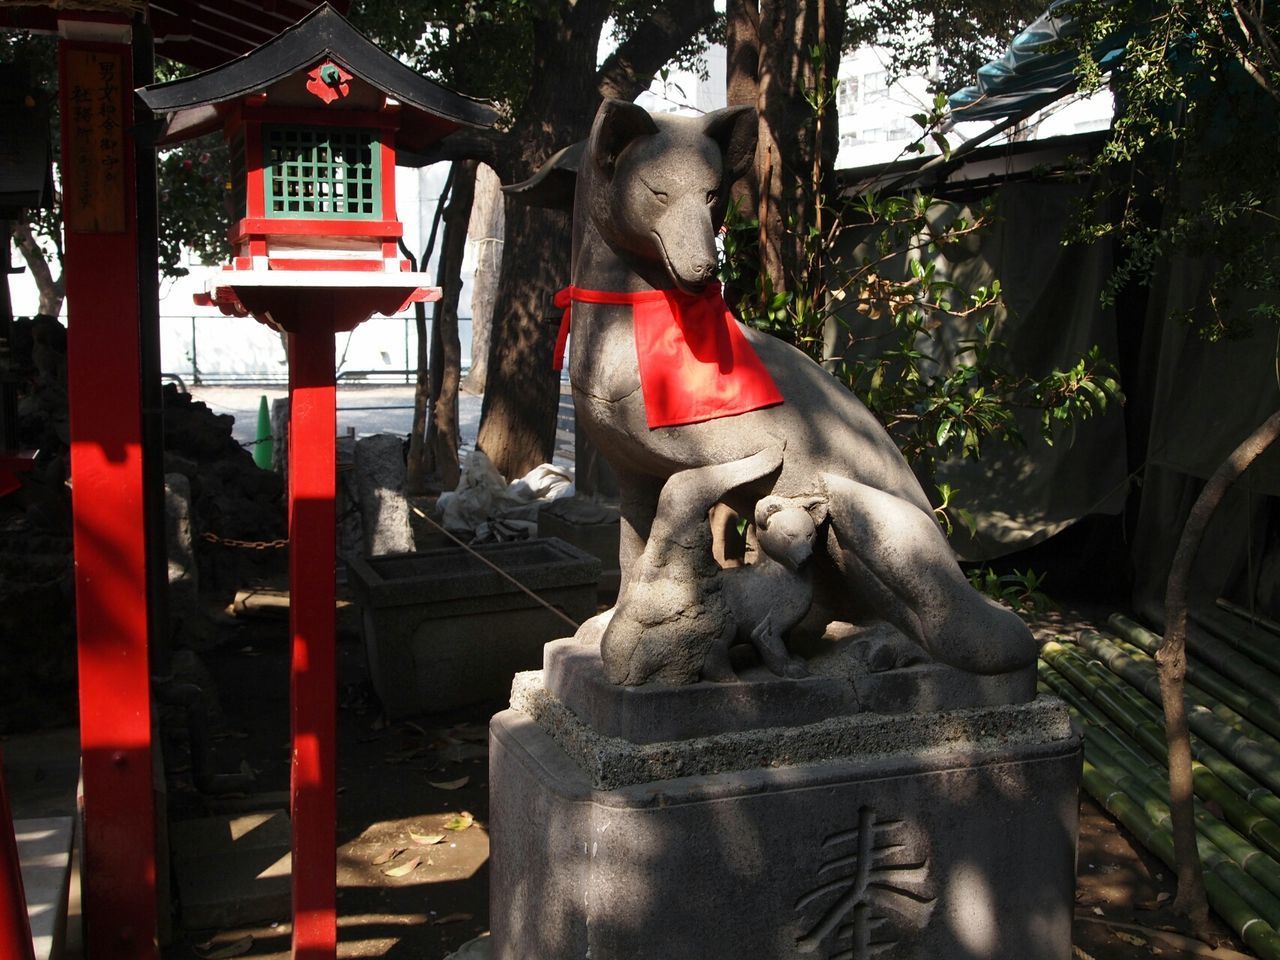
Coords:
500,572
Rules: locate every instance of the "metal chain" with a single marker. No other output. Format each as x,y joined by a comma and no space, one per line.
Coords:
245,544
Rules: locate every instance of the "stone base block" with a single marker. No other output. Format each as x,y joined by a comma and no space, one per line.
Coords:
232,870
656,712
958,844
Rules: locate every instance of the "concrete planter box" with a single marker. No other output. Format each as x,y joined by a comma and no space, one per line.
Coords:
588,526
442,629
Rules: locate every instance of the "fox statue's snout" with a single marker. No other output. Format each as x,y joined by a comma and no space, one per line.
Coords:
684,240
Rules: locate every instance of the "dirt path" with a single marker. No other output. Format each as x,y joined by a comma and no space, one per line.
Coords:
388,803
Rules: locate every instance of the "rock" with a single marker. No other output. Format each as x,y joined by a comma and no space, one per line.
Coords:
279,434
481,948
184,583
380,481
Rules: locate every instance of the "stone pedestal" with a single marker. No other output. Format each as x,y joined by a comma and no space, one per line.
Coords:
938,836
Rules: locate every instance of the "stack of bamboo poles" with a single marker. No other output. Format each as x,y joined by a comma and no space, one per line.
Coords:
1233,702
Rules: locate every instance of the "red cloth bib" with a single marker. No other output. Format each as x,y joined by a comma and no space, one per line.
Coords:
695,363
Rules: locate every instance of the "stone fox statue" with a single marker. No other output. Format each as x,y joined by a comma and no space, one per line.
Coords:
650,194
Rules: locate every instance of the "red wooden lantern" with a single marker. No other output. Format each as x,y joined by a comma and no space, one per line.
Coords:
314,119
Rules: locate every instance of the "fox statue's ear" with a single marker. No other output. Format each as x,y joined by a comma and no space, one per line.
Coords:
554,183
617,123
735,129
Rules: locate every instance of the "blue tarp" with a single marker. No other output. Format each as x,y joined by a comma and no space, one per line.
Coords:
1037,69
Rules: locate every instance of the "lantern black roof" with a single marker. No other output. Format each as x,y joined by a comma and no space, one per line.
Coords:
199,33
195,105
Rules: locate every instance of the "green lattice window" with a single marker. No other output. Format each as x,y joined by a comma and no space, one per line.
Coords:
325,172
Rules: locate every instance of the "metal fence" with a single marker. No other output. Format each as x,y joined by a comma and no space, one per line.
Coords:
197,350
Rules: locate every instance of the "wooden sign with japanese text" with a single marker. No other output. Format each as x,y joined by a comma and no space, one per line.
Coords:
94,168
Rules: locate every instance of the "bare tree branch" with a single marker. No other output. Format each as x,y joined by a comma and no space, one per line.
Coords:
467,144
631,68
51,291
1171,661
1255,34
1261,32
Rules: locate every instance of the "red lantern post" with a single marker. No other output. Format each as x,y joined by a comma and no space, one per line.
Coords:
314,118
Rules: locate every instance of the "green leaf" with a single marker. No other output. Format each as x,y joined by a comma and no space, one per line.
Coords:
944,145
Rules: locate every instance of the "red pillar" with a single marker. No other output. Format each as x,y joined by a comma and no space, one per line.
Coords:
15,924
104,384
312,464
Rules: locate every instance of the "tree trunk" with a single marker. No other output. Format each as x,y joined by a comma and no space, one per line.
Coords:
742,82
522,392
418,459
416,476
796,149
1171,660
442,425
518,426
485,232
52,292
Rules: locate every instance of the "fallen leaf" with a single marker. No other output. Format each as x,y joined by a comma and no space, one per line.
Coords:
1150,905
450,784
1098,911
452,918
388,855
476,732
226,950
458,752
404,869
459,821
426,839
1130,938
402,756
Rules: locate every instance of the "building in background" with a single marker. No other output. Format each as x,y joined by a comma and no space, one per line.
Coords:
875,112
